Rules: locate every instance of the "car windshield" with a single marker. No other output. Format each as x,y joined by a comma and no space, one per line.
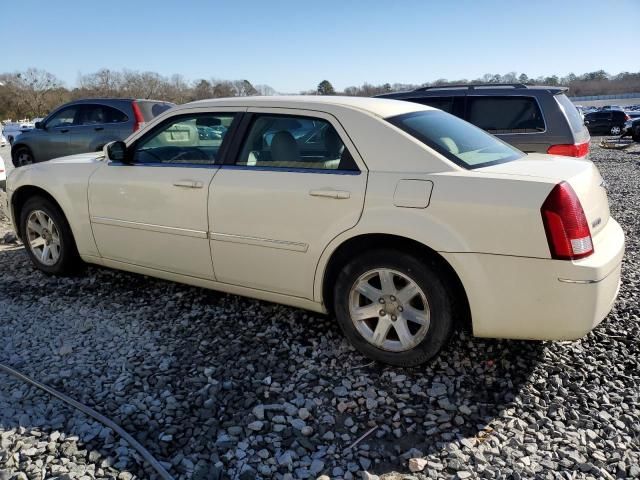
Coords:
459,141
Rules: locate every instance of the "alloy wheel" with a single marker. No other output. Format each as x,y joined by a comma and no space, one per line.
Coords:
24,158
615,130
43,237
389,310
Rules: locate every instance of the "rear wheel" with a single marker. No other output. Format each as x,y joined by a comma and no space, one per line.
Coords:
22,157
47,237
615,130
393,307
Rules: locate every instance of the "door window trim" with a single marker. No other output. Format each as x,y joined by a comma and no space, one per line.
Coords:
242,133
222,152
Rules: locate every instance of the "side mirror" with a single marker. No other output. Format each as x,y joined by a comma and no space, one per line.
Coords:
39,126
115,151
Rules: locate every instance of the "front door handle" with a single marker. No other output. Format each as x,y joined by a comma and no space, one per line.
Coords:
97,129
64,130
330,193
188,184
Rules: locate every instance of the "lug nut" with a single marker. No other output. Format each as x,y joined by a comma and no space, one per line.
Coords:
393,318
392,298
381,300
382,313
400,308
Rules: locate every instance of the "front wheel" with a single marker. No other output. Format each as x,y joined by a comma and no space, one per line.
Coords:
393,307
615,130
22,157
47,237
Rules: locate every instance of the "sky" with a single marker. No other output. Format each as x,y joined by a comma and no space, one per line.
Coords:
293,45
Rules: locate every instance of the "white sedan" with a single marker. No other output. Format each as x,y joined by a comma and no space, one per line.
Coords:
401,220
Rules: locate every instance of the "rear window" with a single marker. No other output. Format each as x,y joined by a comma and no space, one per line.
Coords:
151,110
511,114
459,141
571,112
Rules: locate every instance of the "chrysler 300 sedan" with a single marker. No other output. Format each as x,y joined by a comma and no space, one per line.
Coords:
402,221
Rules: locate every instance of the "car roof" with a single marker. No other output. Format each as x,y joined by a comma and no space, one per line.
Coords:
480,89
98,100
380,107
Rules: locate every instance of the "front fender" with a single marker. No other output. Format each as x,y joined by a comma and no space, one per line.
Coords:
70,194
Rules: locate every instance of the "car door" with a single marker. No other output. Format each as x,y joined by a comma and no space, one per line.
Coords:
96,125
152,210
53,139
277,202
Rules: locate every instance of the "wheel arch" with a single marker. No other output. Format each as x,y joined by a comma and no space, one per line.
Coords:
24,193
14,150
368,241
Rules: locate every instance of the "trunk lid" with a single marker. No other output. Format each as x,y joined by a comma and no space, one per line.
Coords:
582,175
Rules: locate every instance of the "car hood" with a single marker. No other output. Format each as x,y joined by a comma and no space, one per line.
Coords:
90,157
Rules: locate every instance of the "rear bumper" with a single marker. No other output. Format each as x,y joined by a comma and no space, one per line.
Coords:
538,299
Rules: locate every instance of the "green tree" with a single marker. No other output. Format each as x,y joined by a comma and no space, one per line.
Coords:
325,88
523,78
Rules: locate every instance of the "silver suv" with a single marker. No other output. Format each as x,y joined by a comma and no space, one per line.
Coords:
83,126
531,118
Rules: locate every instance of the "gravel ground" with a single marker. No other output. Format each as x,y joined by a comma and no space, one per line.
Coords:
219,386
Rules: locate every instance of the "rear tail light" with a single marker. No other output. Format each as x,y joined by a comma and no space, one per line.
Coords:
137,114
566,225
570,150
627,117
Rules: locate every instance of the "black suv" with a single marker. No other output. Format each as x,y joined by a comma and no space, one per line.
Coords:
606,121
531,118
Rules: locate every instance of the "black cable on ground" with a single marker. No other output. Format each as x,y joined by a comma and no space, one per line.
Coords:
97,416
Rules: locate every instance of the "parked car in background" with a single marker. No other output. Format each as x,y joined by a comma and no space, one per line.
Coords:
531,118
610,107
11,130
631,128
632,113
606,122
3,140
400,219
83,126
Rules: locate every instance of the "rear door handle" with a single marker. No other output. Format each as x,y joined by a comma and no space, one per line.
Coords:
329,193
188,184
64,130
97,129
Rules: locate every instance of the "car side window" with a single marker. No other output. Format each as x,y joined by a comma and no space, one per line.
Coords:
293,142
100,114
442,103
188,139
64,118
513,114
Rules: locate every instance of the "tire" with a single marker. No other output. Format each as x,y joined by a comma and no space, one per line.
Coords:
22,157
615,130
430,306
62,256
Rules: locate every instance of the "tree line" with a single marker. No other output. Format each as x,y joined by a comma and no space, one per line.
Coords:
35,92
592,83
